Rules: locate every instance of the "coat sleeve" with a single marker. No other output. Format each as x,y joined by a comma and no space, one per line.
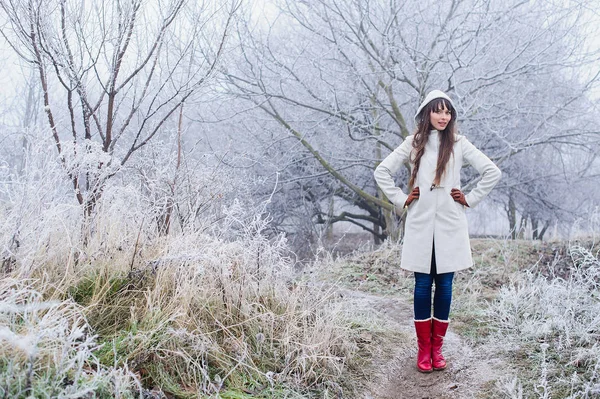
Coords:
384,173
490,173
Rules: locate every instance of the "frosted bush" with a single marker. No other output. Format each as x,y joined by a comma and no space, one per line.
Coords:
39,216
555,322
212,305
226,311
85,157
46,350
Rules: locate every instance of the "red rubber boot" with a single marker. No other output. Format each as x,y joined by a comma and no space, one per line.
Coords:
423,329
438,332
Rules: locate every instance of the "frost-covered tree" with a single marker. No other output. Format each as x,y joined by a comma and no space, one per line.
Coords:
114,74
342,79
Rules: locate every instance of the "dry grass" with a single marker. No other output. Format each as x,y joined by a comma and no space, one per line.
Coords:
47,349
196,315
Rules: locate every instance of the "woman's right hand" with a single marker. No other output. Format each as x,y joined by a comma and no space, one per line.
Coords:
414,194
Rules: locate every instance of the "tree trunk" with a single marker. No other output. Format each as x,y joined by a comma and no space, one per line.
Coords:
390,226
512,216
523,226
329,227
544,229
534,228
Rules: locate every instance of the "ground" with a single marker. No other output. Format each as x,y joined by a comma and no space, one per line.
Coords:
374,286
394,373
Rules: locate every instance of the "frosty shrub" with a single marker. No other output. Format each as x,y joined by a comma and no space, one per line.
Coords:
210,313
39,221
550,324
47,350
194,313
212,305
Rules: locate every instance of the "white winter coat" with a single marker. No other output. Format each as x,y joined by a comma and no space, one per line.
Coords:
435,215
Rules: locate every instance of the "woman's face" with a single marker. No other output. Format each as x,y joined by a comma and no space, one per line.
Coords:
440,118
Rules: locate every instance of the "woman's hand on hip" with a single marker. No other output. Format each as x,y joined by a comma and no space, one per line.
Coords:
414,194
458,196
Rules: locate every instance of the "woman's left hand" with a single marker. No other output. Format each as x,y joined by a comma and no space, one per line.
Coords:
458,196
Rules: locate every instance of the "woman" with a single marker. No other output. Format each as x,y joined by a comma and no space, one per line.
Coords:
436,239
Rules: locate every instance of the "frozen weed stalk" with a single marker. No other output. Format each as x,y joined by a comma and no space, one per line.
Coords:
46,349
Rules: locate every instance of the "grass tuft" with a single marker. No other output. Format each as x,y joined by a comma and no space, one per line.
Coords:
199,315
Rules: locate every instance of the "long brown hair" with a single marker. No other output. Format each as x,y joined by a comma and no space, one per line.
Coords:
447,139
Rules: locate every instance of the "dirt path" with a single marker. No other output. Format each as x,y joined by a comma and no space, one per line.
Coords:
470,372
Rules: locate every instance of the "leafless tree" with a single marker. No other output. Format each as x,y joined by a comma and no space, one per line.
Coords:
342,80
114,74
550,184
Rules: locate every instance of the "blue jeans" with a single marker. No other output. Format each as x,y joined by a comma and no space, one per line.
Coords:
442,296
